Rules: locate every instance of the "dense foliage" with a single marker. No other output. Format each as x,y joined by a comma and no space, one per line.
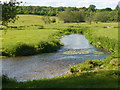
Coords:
74,14
106,16
9,11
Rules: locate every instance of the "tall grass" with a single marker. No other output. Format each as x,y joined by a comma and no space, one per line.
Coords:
104,38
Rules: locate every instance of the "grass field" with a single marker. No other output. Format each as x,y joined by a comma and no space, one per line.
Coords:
27,29
13,37
30,29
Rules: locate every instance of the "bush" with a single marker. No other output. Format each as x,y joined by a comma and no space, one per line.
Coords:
53,20
101,16
46,19
46,47
6,80
86,66
24,50
41,27
19,50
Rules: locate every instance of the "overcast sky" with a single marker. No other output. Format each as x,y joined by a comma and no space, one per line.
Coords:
73,3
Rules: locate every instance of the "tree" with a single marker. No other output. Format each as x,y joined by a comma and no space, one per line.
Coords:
69,16
108,9
53,20
84,8
92,8
9,11
46,19
101,16
89,16
117,7
0,11
113,16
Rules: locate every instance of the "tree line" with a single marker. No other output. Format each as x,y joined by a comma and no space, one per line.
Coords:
67,14
74,14
53,11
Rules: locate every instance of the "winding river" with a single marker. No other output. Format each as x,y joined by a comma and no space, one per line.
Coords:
76,50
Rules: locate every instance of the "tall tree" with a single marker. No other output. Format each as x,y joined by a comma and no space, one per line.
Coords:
108,9
92,8
117,7
46,19
0,11
101,16
9,11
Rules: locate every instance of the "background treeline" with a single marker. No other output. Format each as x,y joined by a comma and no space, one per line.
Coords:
74,14
41,10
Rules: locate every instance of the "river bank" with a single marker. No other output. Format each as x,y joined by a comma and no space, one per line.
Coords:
91,74
104,74
76,50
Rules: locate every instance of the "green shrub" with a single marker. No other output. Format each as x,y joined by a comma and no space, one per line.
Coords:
53,20
19,50
41,27
24,50
6,80
46,47
86,66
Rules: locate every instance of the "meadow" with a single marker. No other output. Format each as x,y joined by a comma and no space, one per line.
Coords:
30,32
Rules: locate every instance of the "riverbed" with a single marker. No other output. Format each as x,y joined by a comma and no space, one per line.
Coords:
76,50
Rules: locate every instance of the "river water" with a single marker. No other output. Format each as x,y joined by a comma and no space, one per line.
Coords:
76,50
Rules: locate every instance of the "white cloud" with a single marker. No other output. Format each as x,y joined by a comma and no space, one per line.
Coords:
77,3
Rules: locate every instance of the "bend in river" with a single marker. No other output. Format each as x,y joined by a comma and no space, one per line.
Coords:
76,50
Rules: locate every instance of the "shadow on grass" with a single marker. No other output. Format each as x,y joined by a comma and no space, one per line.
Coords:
97,79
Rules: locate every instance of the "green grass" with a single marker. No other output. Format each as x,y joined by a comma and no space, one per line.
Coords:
28,42
30,31
106,38
108,32
13,37
96,79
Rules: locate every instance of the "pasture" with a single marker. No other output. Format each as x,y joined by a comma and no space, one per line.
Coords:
30,30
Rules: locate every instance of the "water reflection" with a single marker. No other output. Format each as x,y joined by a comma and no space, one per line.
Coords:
75,41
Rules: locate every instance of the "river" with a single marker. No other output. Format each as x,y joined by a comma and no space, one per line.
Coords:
76,50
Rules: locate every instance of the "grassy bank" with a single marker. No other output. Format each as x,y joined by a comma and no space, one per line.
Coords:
93,79
28,37
29,31
90,74
29,42
106,38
